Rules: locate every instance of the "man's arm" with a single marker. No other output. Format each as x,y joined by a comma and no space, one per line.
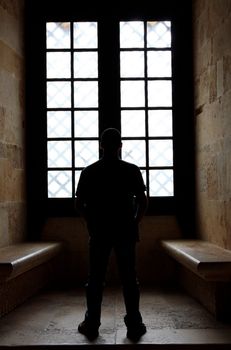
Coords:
142,204
79,206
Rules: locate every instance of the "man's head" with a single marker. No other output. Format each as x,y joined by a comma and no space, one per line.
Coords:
111,140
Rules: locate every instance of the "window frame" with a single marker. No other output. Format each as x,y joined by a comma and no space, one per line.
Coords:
72,108
183,128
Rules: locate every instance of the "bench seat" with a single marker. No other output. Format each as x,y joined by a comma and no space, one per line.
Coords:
207,260
204,271
19,258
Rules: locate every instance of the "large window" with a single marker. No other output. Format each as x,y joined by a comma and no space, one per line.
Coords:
74,78
90,67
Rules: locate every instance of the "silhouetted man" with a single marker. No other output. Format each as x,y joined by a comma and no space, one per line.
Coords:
111,197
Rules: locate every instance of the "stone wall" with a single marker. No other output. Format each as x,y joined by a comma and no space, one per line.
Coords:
212,80
153,265
12,111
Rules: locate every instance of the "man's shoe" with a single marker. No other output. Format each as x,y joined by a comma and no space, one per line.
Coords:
89,330
135,327
136,331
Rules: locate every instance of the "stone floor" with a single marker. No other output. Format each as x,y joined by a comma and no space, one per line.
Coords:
172,318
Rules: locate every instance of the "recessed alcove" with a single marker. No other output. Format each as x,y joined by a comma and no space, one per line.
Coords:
203,207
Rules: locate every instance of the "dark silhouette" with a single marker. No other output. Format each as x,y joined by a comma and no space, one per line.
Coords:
111,197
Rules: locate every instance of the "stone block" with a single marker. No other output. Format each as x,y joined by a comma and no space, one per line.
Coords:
218,11
199,7
3,178
203,57
212,83
11,61
17,222
12,185
17,290
226,110
202,95
2,122
12,24
221,39
14,7
4,227
220,77
212,178
12,113
214,296
227,71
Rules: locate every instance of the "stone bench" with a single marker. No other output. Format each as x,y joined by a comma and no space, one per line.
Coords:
24,269
204,271
207,260
19,258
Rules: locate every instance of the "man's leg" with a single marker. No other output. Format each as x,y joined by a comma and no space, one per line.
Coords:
126,259
99,252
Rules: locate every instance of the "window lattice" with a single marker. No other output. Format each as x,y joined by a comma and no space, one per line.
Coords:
72,75
146,101
72,103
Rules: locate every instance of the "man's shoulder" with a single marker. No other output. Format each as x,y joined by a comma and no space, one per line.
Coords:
129,165
91,167
100,165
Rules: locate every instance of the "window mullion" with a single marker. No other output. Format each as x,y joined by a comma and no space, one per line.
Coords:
146,107
109,83
72,110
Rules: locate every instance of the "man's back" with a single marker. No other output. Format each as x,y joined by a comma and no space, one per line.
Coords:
109,187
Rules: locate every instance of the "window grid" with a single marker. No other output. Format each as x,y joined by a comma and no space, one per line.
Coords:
59,173
73,168
148,168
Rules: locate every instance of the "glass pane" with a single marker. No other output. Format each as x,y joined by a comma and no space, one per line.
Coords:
160,153
86,124
59,154
58,65
132,64
131,34
59,124
159,64
86,152
159,93
58,35
159,34
161,183
160,123
132,93
85,35
134,152
85,65
59,184
86,94
58,94
133,123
